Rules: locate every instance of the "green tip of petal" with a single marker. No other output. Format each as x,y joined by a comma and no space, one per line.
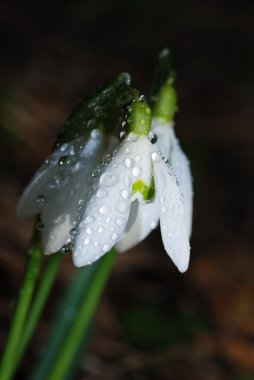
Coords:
146,191
139,118
166,104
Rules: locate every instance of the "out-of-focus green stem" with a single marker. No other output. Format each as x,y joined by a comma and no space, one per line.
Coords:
40,298
7,364
83,318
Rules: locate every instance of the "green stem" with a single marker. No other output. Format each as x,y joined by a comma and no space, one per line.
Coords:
39,302
33,265
83,319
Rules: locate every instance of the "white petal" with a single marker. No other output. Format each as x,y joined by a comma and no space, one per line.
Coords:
106,213
164,133
181,167
31,201
63,209
147,219
172,215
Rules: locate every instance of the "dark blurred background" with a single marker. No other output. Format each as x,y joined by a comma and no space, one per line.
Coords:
153,322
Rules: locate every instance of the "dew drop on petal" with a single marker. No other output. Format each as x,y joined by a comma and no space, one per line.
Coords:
108,219
137,171
155,157
128,162
122,135
106,247
100,230
114,237
101,193
127,151
120,221
152,137
87,241
122,206
103,210
109,178
95,134
89,231
89,219
125,194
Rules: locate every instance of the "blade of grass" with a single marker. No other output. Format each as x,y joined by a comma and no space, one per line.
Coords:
7,364
40,298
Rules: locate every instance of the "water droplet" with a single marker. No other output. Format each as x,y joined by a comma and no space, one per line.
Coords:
136,171
106,247
142,98
123,124
64,160
103,210
73,232
108,219
101,193
95,134
155,157
89,230
97,243
122,206
40,198
76,220
100,230
128,151
109,178
89,219
122,135
114,237
120,221
142,122
129,162
162,199
152,137
87,241
137,158
125,194
165,159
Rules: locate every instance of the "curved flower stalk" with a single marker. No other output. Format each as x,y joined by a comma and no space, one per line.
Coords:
135,175
162,128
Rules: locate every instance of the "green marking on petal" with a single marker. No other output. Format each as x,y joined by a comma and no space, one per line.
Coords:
146,191
166,104
139,118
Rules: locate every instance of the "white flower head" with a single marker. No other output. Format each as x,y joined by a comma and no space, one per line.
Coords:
136,171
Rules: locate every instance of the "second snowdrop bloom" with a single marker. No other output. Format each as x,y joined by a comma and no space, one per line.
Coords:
137,174
163,132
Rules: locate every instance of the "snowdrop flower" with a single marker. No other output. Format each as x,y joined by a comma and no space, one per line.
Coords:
136,174
59,188
163,133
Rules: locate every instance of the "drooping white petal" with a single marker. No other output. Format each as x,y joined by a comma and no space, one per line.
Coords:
170,148
164,133
181,167
172,214
63,209
44,181
147,219
107,211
